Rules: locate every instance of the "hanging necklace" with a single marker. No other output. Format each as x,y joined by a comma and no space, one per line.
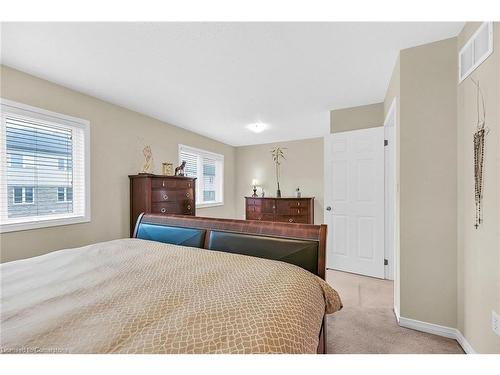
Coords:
478,138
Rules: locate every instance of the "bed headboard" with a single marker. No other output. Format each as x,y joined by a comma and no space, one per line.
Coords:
300,244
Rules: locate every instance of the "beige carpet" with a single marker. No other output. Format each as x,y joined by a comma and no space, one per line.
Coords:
367,323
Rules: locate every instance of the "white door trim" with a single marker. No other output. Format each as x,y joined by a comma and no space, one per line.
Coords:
392,117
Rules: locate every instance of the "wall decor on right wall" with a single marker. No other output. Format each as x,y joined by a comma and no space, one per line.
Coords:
479,144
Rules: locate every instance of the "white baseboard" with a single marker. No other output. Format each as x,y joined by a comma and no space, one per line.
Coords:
396,313
464,343
436,329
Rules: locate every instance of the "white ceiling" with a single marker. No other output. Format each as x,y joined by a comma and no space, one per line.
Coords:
216,78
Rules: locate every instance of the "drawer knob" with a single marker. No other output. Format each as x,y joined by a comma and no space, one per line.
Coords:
163,210
290,220
165,197
298,203
189,184
187,195
163,183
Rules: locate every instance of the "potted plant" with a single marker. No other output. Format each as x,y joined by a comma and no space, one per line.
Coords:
278,156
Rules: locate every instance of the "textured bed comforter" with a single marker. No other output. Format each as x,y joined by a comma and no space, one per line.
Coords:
137,296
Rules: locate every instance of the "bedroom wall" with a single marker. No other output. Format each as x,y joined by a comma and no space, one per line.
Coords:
428,183
354,118
302,168
117,138
479,250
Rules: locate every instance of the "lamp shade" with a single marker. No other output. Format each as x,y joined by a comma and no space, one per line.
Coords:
255,182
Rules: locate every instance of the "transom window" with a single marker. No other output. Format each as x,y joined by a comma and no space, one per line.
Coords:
44,162
208,168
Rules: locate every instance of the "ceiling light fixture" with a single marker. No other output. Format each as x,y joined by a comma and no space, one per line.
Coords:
258,127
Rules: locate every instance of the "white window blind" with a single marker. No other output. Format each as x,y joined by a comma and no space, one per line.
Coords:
208,168
42,154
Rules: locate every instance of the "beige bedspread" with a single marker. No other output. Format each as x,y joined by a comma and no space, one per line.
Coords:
137,296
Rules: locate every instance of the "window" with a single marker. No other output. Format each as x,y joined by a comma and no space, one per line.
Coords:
16,161
208,168
64,194
44,161
22,195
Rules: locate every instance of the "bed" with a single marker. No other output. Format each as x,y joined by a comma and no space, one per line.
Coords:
180,285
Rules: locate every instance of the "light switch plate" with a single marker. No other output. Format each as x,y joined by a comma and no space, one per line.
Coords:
495,322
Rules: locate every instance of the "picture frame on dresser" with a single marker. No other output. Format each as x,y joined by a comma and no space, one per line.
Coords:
163,195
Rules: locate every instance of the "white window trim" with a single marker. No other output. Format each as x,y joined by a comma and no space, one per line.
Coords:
208,154
476,64
45,115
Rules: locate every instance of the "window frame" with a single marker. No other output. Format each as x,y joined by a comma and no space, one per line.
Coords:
65,194
24,110
199,180
23,195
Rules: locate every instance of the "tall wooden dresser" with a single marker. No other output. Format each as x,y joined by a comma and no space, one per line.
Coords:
289,210
159,194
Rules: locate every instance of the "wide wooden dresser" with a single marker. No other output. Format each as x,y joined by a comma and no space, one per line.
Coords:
290,210
159,194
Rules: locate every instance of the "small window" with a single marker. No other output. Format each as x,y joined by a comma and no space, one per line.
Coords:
28,195
18,195
60,194
64,194
22,195
208,168
50,151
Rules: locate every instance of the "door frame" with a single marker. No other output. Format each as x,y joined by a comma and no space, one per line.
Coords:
392,125
328,183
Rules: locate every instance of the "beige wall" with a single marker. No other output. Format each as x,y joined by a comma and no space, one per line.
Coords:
428,183
479,250
302,168
117,138
361,117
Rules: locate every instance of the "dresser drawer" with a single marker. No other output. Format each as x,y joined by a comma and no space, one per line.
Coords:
292,219
284,205
254,202
187,207
259,216
294,211
165,208
171,183
254,209
161,195
268,206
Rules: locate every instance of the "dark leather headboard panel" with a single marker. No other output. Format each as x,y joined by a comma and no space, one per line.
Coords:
192,237
302,253
301,244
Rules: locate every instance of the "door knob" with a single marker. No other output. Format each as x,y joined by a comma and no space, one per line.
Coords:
328,208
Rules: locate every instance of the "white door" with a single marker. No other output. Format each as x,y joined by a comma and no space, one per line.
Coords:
354,191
